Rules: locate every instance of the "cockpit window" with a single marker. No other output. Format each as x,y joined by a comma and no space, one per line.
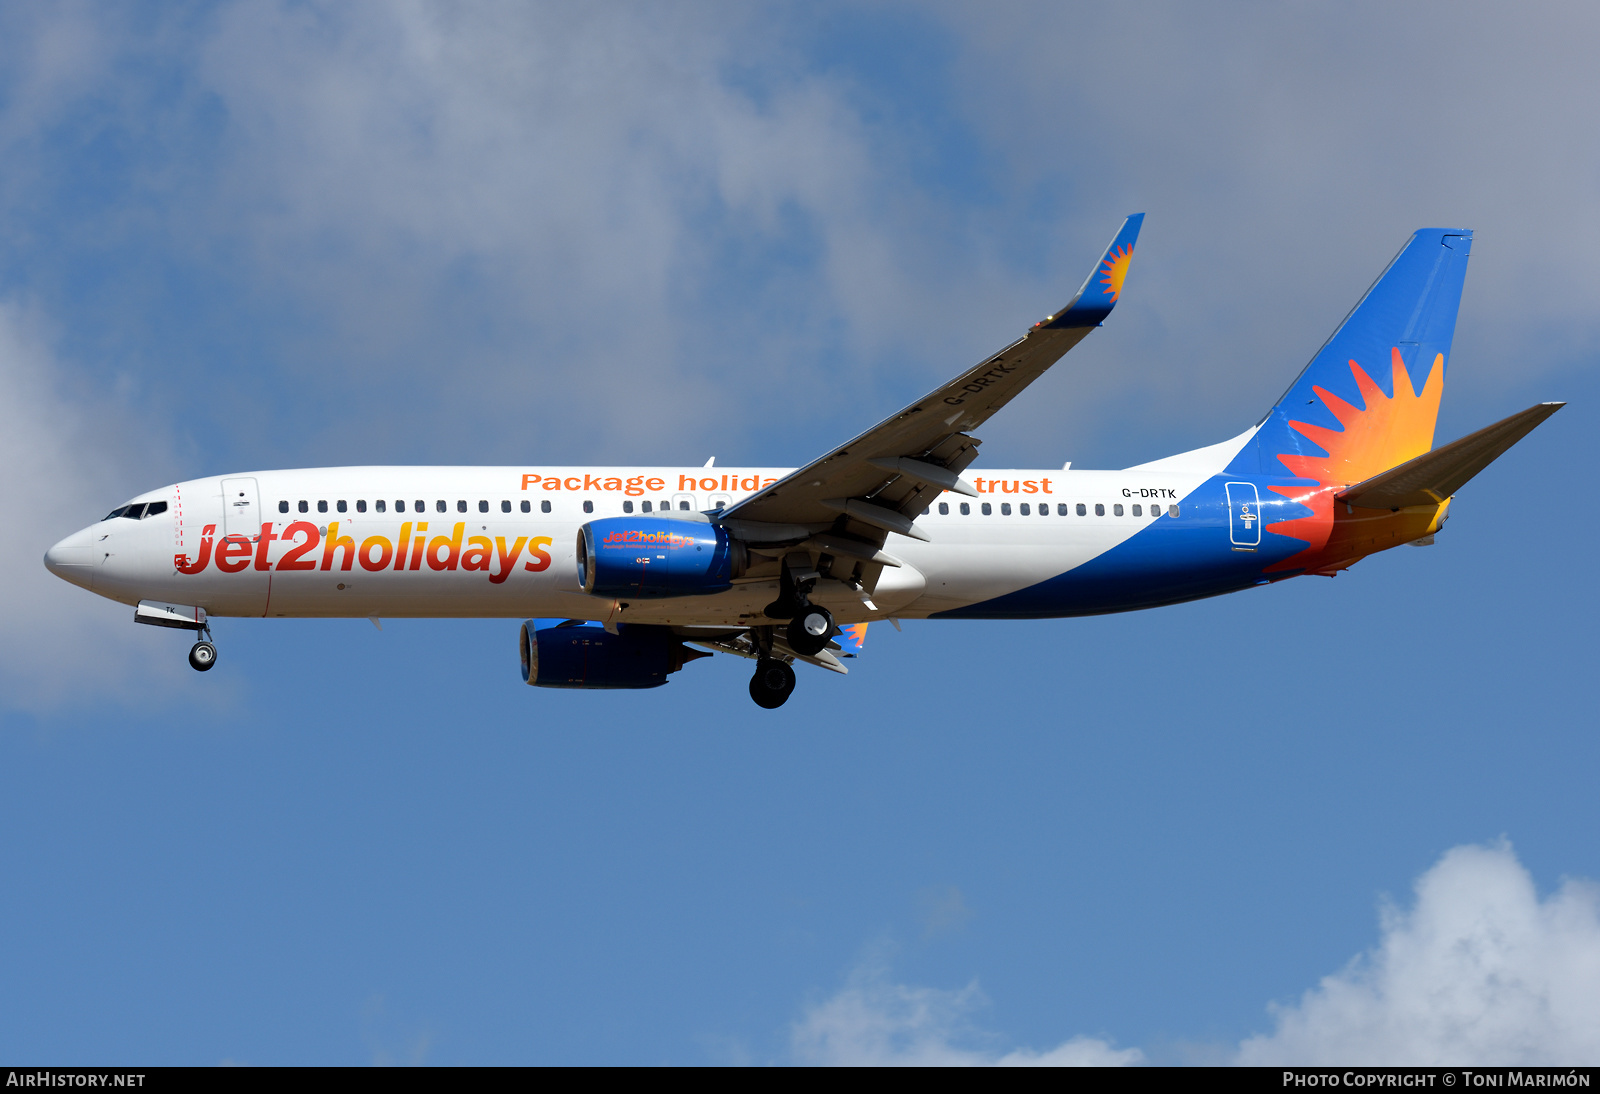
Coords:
138,510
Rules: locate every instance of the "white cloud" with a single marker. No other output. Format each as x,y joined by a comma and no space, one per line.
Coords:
1479,971
875,1023
68,458
1284,154
660,203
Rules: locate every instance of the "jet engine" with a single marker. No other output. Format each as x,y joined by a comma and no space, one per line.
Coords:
650,558
585,655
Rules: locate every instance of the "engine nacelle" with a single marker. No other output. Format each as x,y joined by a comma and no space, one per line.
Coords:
586,655
649,558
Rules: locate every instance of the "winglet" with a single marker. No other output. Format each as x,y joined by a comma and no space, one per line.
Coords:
1104,283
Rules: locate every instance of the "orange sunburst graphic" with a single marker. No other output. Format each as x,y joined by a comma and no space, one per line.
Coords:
1389,431
1115,271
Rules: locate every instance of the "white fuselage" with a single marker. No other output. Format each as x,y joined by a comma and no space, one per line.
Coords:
500,541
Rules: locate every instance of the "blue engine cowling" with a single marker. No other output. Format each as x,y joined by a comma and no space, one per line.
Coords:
586,655
647,558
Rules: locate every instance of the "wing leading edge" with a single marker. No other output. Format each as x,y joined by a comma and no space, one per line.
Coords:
880,481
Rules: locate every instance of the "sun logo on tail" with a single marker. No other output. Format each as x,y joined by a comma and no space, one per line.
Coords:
1384,432
1114,271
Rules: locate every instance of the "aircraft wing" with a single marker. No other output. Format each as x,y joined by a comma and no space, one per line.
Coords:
884,478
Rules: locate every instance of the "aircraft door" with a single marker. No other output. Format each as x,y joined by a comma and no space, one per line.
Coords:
1244,516
682,501
241,507
248,591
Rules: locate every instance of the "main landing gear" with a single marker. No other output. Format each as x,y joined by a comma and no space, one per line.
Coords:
810,630
810,626
772,684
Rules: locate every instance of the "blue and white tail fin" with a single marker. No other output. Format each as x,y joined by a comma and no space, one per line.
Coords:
1370,397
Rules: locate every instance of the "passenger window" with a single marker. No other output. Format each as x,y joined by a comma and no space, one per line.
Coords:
644,507
988,510
1082,511
966,510
588,507
627,507
1005,509
421,506
361,506
380,505
441,506
1172,511
283,507
544,507
663,505
322,507
399,507
342,507
944,509
505,506
527,507
303,507
1116,510
155,508
1061,509
1099,510
926,510
483,507
683,506
1022,510
1137,511
461,506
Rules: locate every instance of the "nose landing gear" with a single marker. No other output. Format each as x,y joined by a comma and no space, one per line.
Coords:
202,655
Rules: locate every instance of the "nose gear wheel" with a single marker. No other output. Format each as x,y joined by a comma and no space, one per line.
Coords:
202,655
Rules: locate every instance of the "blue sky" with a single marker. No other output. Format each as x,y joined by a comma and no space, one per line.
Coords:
1265,827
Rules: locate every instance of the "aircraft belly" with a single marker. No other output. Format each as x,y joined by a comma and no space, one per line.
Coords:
960,574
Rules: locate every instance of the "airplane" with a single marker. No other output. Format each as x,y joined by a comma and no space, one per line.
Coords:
624,575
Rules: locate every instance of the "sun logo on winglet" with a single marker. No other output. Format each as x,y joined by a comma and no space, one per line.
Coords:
1114,271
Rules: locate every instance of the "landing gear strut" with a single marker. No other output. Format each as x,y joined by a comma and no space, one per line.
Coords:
772,684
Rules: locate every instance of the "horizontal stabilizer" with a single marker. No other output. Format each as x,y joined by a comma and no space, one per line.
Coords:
1434,476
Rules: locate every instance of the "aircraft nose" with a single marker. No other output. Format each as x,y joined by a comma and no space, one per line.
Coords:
72,559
